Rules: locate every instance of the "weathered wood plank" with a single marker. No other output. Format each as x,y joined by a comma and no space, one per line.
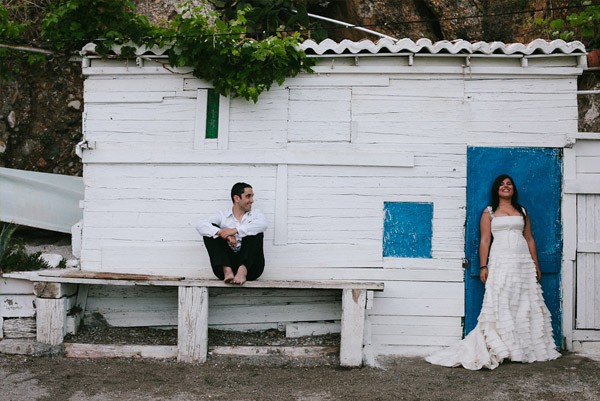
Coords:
75,350
395,339
422,307
75,313
352,326
112,83
53,290
295,330
15,286
28,347
102,276
19,328
583,184
51,320
17,305
192,334
294,352
231,157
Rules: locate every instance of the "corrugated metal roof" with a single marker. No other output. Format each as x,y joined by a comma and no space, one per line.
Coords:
328,46
538,46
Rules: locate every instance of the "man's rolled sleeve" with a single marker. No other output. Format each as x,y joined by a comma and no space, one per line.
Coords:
206,228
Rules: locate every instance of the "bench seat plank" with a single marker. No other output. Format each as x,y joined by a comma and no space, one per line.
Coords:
76,276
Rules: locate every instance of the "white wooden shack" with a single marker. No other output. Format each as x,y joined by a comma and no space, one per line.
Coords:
376,125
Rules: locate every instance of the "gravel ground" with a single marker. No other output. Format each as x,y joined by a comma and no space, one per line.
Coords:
568,378
154,336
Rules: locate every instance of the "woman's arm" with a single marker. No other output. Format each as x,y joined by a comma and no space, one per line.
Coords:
485,226
532,248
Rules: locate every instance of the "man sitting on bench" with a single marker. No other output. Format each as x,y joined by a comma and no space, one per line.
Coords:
234,238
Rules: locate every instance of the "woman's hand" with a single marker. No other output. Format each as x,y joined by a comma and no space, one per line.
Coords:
538,273
483,274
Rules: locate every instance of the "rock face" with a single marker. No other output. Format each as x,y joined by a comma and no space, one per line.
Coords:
39,123
589,104
487,20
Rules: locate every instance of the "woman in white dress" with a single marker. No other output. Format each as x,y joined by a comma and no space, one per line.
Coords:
514,322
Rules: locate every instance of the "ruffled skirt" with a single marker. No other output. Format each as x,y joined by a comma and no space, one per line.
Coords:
514,322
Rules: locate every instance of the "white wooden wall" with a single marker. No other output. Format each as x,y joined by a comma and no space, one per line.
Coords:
582,241
323,154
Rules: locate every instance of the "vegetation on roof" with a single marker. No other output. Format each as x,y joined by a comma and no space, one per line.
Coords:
241,47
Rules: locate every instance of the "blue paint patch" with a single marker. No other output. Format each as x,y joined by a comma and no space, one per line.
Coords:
407,229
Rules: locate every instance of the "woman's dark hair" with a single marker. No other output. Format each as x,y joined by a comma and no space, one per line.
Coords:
514,201
238,189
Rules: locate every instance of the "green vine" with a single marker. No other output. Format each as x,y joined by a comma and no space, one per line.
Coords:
236,65
222,48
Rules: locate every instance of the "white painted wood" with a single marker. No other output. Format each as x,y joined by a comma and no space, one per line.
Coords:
586,335
588,261
294,352
192,327
352,326
223,134
17,305
568,286
74,317
19,328
296,330
200,119
51,320
351,158
75,350
281,206
588,314
1,325
419,306
583,185
15,286
319,115
128,97
140,83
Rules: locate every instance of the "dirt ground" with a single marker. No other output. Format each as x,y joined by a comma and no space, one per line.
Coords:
571,377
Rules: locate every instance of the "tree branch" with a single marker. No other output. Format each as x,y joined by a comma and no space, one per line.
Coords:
27,49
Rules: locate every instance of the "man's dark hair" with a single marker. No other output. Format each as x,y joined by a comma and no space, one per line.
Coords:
238,189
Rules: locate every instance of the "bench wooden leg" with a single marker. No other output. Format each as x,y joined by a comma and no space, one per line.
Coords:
353,323
192,327
51,320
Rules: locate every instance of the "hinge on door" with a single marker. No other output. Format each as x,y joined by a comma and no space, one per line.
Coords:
465,263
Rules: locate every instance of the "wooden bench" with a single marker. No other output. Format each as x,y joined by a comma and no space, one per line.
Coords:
192,343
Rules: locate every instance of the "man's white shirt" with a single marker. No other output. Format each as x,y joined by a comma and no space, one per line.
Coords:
252,223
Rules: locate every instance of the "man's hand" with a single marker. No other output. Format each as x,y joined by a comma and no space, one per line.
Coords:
232,241
226,232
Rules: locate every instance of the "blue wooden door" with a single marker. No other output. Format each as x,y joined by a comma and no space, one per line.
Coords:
537,175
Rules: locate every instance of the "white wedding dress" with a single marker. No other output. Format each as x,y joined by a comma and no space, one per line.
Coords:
514,322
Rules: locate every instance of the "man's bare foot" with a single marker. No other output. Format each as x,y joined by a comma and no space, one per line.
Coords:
240,276
228,274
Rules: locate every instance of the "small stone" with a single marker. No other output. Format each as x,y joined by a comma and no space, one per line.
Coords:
2,146
41,163
12,119
72,263
74,104
52,259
